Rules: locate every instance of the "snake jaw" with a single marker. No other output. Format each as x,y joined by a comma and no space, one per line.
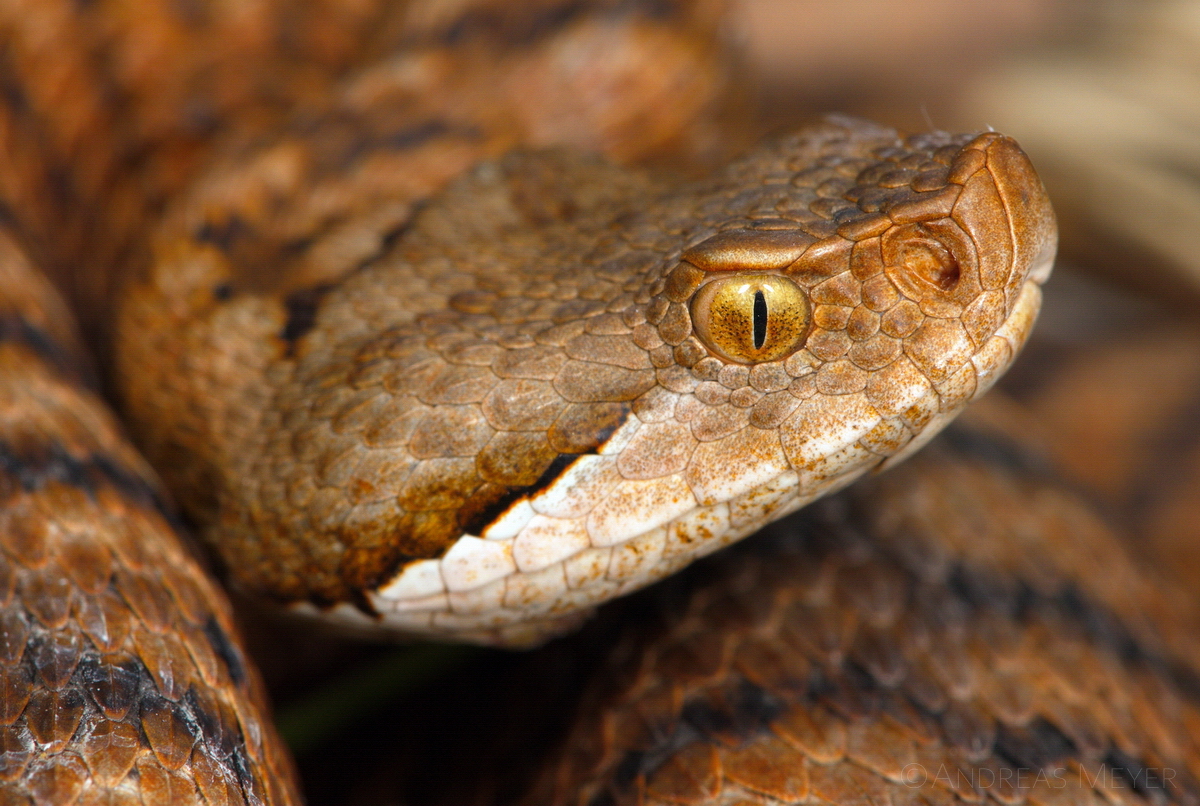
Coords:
946,276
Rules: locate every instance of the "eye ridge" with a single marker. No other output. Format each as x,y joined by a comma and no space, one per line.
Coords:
760,320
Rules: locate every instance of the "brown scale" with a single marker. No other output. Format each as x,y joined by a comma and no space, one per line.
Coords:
903,643
280,241
122,678
517,320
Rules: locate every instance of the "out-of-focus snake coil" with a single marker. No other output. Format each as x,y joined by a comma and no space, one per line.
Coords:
413,350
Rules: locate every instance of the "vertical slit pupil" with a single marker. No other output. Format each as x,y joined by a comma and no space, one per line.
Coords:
760,320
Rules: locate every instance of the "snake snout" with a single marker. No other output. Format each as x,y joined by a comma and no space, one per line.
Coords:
1004,200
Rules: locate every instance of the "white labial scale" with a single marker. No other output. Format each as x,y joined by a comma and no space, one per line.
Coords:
545,541
727,539
661,569
819,487
438,601
1043,264
922,438
699,527
957,388
635,558
509,525
990,362
726,468
595,591
359,622
594,575
474,621
886,438
635,507
414,623
535,592
753,509
577,491
417,580
342,612
670,565
513,609
852,458
634,584
1019,324
824,425
483,600
902,389
472,562
586,567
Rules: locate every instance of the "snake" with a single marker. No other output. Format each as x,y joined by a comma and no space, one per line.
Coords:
415,347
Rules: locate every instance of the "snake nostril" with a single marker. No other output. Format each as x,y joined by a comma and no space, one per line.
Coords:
921,262
933,263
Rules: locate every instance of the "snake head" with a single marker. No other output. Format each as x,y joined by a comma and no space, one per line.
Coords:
820,309
561,380
905,278
866,298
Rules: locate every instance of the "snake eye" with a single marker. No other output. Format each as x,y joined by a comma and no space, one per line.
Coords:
751,319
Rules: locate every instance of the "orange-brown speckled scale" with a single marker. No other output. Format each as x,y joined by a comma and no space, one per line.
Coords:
906,643
122,678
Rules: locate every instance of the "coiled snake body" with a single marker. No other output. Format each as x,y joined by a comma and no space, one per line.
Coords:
474,413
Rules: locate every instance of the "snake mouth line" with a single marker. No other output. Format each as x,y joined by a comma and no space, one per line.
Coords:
491,589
